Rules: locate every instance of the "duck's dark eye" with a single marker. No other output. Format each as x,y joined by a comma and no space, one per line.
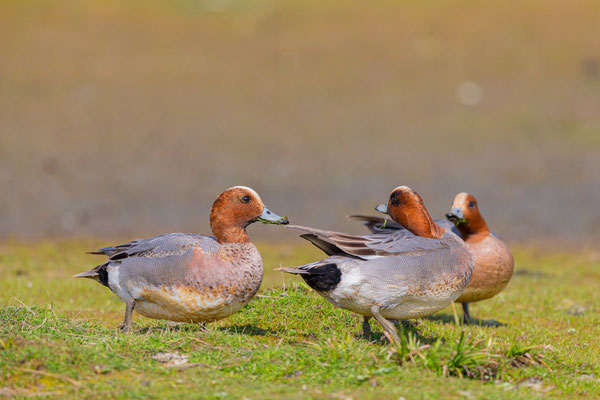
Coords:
395,201
471,204
246,199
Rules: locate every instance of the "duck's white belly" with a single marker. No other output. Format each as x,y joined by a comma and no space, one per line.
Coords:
405,308
415,308
184,304
394,301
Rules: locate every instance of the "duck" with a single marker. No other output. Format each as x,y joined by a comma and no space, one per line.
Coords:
185,277
398,275
494,262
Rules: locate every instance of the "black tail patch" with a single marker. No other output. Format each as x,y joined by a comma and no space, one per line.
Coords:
323,278
103,275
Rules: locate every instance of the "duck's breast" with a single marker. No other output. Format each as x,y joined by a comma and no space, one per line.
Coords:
494,266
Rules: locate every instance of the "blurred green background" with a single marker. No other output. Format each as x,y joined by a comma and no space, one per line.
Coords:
128,117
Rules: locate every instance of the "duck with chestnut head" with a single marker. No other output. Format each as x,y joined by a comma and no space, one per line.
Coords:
494,263
187,277
401,275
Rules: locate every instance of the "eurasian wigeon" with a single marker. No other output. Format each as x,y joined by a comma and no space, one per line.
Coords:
187,277
493,260
400,275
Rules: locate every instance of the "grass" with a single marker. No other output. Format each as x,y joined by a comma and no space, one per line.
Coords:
58,337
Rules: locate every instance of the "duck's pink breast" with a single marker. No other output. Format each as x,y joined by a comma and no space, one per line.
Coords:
493,270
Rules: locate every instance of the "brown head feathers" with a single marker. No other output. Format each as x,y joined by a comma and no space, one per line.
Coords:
232,212
406,207
467,218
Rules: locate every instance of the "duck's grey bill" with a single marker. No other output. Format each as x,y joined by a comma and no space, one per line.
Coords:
382,208
456,216
269,217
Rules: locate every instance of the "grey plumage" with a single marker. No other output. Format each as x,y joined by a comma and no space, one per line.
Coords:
393,242
160,246
155,247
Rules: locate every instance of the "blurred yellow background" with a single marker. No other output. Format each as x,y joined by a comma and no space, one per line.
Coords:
128,117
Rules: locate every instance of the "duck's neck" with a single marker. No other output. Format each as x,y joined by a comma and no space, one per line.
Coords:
234,234
421,224
474,230
226,230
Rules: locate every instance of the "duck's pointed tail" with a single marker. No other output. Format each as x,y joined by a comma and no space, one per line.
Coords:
92,274
98,274
293,270
305,269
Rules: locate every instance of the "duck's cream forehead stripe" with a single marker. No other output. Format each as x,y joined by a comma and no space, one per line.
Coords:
252,191
403,188
460,199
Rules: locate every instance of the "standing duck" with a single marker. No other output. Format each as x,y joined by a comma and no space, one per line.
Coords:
400,275
494,263
187,277
493,260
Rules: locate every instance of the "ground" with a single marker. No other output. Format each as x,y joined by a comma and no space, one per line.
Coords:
59,337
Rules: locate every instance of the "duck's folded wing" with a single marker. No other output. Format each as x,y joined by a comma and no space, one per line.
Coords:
174,269
160,246
369,246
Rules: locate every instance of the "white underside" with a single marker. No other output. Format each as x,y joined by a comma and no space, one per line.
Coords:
355,294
